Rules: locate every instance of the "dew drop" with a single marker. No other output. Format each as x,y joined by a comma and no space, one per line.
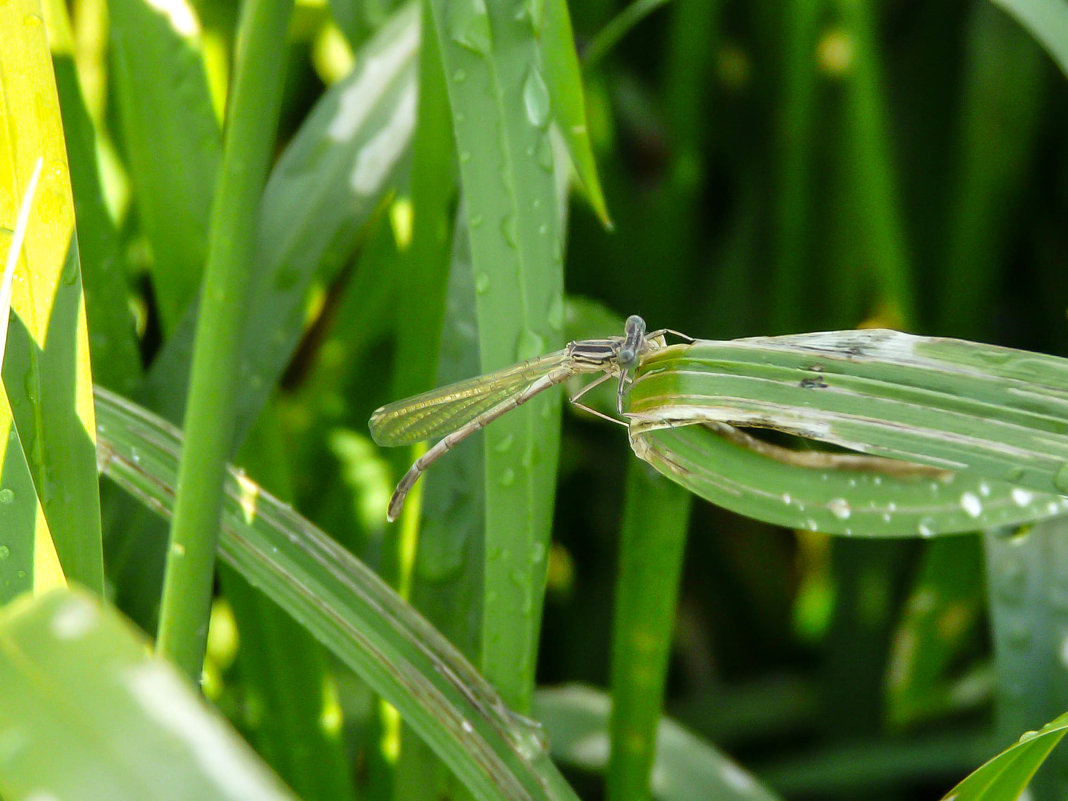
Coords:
1060,481
510,229
475,221
7,495
507,477
468,25
460,76
545,154
839,507
5,552
505,444
482,283
786,498
1021,497
925,527
970,503
465,156
536,98
529,345
555,315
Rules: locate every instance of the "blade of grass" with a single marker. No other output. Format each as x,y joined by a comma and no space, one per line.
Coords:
795,151
619,26
251,124
1003,93
46,364
992,414
1024,591
1007,775
653,541
351,611
874,184
77,679
29,560
564,78
501,112
112,344
165,108
447,573
940,619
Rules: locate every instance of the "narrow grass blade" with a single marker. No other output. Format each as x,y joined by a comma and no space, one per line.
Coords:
564,79
28,559
1007,775
351,611
619,26
1025,585
941,617
112,343
1005,83
871,167
653,541
687,768
165,108
501,111
77,680
796,141
46,363
251,124
447,571
988,420
423,276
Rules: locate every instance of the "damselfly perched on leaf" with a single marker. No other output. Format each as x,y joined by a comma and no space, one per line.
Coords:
459,410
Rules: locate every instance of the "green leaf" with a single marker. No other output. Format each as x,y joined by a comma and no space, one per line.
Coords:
77,680
27,556
112,343
1024,590
942,616
165,108
1006,775
564,79
251,124
988,423
501,111
351,611
653,541
46,364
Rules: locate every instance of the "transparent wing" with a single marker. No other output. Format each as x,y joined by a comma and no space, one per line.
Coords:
440,411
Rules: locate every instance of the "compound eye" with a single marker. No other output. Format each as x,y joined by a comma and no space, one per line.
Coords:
627,356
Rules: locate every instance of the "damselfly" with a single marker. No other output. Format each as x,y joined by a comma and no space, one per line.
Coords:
459,410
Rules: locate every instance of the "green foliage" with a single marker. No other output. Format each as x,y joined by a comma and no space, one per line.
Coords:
769,168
